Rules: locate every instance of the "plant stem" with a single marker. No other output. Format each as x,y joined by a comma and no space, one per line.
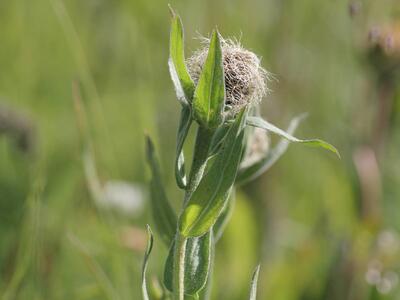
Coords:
200,156
179,266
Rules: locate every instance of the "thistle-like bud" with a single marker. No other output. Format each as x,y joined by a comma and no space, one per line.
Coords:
245,79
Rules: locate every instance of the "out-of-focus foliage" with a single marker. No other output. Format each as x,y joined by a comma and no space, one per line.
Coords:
321,228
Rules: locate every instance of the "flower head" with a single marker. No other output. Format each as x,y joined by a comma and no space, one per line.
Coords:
245,79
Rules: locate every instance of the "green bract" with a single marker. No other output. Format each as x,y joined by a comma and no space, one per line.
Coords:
209,96
184,85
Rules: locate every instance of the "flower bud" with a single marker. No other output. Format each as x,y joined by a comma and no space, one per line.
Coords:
245,79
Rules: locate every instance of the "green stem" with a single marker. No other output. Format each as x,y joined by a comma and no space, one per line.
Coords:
200,156
179,267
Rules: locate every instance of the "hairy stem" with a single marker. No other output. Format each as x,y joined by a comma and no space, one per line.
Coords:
200,155
179,267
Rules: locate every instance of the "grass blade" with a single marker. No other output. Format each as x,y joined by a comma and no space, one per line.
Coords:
164,216
261,123
209,96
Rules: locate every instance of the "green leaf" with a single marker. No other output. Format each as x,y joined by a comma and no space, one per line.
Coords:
197,264
259,167
184,85
254,280
209,96
209,199
218,139
261,123
146,258
225,216
164,216
192,297
205,293
184,126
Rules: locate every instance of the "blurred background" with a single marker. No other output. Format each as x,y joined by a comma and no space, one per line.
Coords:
82,81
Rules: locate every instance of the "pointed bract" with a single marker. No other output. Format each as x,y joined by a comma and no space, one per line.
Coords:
209,96
183,83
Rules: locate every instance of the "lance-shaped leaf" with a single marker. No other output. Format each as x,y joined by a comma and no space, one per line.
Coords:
261,123
250,172
184,85
254,281
184,126
209,96
205,293
164,216
146,258
218,139
209,199
197,264
225,216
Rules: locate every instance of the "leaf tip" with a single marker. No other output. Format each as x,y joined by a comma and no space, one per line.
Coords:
215,36
171,11
256,272
331,148
254,282
337,153
149,146
301,117
150,239
149,231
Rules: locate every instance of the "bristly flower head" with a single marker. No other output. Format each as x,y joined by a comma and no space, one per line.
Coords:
245,79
